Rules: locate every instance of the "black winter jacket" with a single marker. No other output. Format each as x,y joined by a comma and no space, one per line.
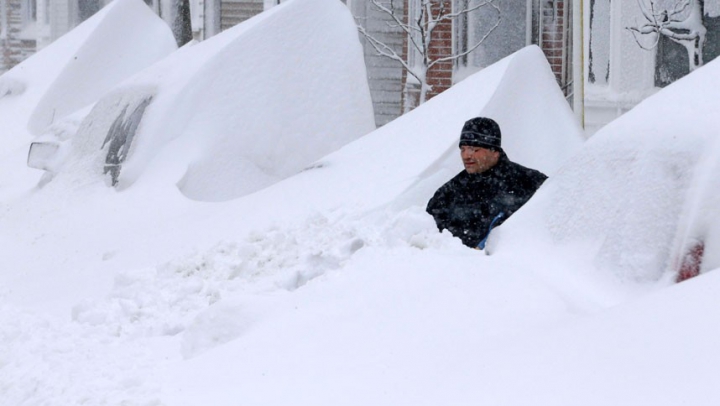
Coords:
468,203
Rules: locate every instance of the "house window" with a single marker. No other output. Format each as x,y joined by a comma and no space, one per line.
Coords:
29,11
672,60
599,49
500,28
461,35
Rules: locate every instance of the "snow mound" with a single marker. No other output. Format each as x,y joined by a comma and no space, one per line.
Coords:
547,133
120,40
46,95
415,154
225,109
539,130
354,219
396,167
39,359
698,236
624,194
177,297
649,351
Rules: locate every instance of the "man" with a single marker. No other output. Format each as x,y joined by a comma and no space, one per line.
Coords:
488,191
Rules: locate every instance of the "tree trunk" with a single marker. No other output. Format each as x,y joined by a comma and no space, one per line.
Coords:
181,23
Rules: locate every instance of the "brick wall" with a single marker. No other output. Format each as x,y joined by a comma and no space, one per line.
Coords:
551,30
441,45
554,37
440,76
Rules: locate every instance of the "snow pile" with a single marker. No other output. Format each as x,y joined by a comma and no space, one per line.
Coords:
307,268
638,189
547,133
241,110
74,71
395,167
333,286
70,74
155,316
699,223
41,358
416,153
658,349
180,296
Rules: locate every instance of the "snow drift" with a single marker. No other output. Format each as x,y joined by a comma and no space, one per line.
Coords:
397,166
74,71
112,288
639,194
239,111
53,87
333,286
416,153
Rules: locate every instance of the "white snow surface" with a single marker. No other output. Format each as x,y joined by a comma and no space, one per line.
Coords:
47,93
127,37
639,191
244,109
333,286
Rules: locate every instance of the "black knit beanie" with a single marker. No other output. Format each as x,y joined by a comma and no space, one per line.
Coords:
481,132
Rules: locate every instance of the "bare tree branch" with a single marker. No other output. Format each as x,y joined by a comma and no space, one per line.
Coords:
479,42
681,23
385,50
419,30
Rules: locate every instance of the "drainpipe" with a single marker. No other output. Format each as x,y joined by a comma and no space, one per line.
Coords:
579,61
3,35
528,22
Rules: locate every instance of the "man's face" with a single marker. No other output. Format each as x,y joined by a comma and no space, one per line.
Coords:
478,159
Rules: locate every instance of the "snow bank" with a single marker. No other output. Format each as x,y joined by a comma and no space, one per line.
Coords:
658,349
622,196
333,286
243,109
335,277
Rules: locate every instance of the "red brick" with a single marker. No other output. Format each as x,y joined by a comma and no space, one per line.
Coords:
558,44
553,52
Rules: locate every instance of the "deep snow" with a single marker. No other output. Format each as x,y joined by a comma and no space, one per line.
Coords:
333,286
240,111
46,94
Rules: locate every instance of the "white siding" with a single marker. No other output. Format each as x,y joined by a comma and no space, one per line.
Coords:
233,12
384,74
